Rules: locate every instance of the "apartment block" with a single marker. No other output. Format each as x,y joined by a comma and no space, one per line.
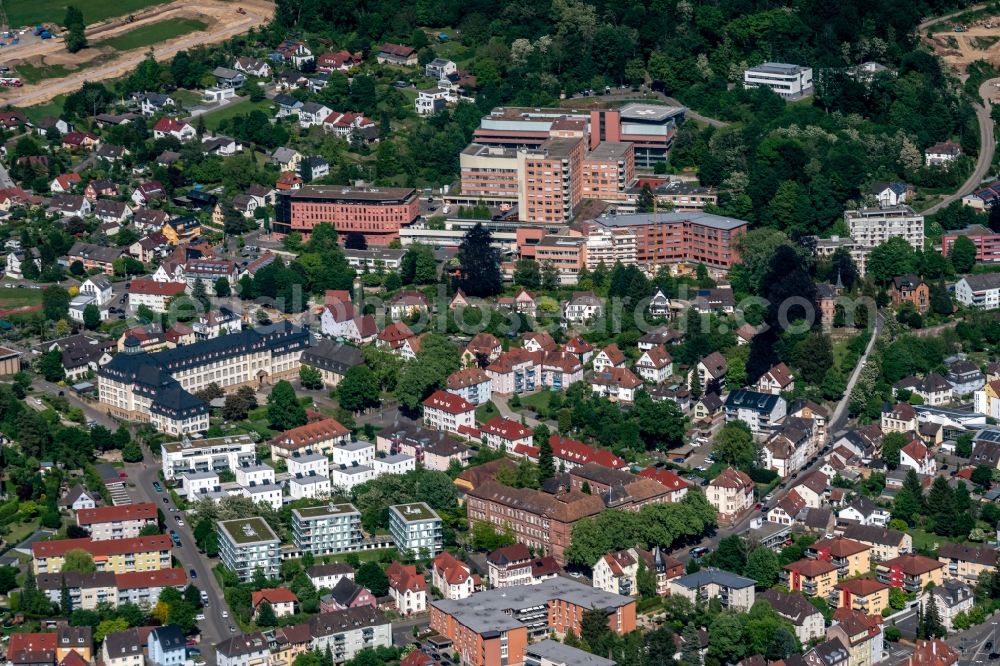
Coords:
549,177
734,592
322,530
321,437
489,173
206,455
117,522
378,213
148,553
608,171
870,227
248,544
347,632
861,594
910,572
415,528
987,242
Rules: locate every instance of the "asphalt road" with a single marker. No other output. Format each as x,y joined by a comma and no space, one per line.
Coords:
5,179
987,146
214,627
839,418
971,643
836,422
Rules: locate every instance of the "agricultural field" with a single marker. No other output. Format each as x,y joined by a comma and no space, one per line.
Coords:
52,11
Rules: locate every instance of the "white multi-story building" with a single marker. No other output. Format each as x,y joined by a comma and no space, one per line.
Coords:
398,463
760,411
979,291
206,455
352,454
415,528
328,575
310,463
308,486
254,475
159,388
268,493
248,544
322,530
196,484
870,227
789,81
344,478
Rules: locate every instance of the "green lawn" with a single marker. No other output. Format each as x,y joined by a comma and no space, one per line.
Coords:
539,401
154,33
188,98
243,107
16,298
24,13
33,73
52,108
486,411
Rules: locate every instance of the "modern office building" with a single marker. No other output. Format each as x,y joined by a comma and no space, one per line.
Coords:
159,388
415,528
322,530
791,82
378,213
248,544
206,455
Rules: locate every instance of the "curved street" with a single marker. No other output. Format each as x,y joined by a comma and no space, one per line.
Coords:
987,146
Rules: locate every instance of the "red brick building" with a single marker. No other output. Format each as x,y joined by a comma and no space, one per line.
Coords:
378,213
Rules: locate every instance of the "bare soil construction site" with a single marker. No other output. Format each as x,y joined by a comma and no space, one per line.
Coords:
221,20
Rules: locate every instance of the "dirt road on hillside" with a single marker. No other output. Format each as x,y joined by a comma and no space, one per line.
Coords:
221,17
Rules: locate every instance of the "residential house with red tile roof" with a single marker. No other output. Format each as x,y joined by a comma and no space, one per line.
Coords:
472,384
580,348
609,357
340,319
449,412
560,370
776,380
863,594
117,522
655,365
407,588
321,437
451,577
483,349
538,341
732,495
65,183
616,384
932,653
180,130
515,371
282,601
504,434
813,578
918,457
669,479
